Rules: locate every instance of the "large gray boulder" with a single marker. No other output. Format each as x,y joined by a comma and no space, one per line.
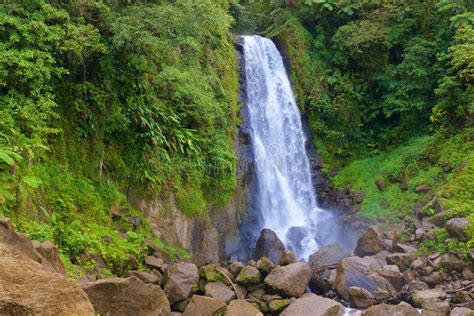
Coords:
290,280
180,280
457,228
313,305
328,255
269,245
126,296
358,283
204,306
391,310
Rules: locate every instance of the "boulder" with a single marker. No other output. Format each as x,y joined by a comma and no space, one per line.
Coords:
50,252
461,311
396,278
313,305
358,283
28,288
328,255
401,260
269,245
286,258
154,262
145,277
242,308
180,280
295,236
369,243
435,309
235,268
290,280
204,306
457,228
126,296
391,310
404,248
219,291
265,265
425,297
249,276
26,246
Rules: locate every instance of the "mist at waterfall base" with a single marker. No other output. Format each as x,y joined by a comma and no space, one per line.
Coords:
281,195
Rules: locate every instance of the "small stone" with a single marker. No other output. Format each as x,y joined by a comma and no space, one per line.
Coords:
457,228
286,258
235,267
424,297
204,306
422,188
219,291
265,265
242,308
154,263
278,305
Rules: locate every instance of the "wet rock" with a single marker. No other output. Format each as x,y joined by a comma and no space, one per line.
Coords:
425,297
180,280
457,228
369,243
295,236
28,288
145,277
235,268
269,245
461,311
290,280
242,308
357,282
204,306
126,296
249,276
286,258
391,310
327,255
278,305
313,305
219,291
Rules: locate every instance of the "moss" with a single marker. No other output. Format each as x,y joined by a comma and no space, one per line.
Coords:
278,305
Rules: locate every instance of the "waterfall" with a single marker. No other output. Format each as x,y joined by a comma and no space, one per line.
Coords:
285,196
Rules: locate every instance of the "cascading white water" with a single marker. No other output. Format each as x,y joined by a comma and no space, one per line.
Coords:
286,197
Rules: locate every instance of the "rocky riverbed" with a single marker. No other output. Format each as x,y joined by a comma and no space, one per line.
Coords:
385,275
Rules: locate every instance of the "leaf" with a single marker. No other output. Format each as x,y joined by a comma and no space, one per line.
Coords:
32,181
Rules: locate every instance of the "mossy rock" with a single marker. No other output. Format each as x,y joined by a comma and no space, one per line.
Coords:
249,276
278,305
210,273
265,265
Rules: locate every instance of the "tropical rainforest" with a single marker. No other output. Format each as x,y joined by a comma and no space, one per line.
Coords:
101,101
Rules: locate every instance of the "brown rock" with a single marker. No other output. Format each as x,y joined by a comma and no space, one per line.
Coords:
395,278
435,309
204,306
424,297
457,228
422,188
219,291
242,308
461,311
180,280
126,296
369,243
235,268
269,245
145,277
154,262
286,258
391,310
401,260
404,248
50,252
290,280
313,305
380,183
327,255
28,288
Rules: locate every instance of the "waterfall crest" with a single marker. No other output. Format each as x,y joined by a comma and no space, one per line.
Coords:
286,199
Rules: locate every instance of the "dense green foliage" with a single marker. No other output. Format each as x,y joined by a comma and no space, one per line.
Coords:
387,88
98,100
